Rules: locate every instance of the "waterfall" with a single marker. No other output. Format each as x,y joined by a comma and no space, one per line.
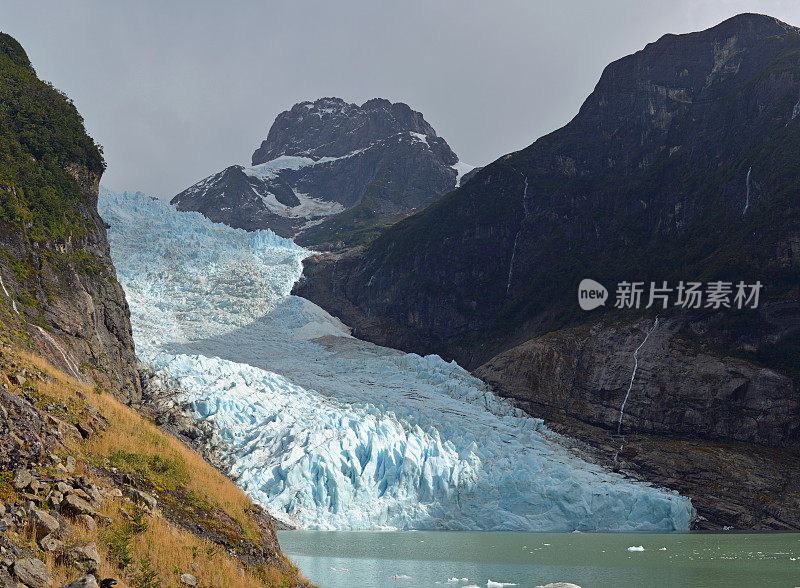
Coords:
747,184
13,304
633,375
516,239
73,367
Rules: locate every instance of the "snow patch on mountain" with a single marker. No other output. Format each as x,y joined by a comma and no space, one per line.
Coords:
336,433
269,169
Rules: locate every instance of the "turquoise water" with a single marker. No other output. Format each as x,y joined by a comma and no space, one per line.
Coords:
350,559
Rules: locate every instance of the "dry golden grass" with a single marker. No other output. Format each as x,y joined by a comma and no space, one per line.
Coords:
131,434
138,444
170,552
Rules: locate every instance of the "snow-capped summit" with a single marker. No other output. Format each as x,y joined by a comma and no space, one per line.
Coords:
379,161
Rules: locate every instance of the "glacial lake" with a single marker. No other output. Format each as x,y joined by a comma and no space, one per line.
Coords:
347,559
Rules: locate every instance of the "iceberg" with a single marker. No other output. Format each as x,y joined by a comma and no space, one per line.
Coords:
330,432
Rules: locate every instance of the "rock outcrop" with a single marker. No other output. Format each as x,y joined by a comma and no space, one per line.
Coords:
82,509
680,388
329,173
58,288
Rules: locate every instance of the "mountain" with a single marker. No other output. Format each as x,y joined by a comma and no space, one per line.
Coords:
330,173
681,165
59,294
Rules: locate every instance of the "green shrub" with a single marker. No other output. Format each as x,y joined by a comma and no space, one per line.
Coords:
41,134
120,546
146,576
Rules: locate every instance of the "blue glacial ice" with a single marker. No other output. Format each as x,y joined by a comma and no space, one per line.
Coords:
330,432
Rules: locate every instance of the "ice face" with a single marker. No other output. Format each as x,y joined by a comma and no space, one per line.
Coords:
331,432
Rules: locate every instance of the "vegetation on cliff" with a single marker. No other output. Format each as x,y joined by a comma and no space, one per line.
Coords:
60,295
41,135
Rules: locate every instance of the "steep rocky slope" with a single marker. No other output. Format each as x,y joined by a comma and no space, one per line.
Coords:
680,166
59,290
89,489
330,173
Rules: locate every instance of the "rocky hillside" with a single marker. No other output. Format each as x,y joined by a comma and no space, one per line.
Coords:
330,173
58,288
90,492
680,166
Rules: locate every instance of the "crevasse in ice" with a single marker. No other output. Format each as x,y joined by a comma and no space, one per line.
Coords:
330,432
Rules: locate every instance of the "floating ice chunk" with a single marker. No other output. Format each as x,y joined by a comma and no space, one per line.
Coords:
636,548
493,584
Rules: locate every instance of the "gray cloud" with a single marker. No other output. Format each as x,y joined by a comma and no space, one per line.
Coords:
178,89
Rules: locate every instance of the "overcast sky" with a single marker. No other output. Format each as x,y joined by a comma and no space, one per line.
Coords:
178,89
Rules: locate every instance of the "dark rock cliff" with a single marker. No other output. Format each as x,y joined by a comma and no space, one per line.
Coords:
648,182
331,173
59,291
681,165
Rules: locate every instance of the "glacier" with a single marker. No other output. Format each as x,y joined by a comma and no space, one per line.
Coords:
329,432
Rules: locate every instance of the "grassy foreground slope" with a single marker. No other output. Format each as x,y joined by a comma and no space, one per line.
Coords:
192,519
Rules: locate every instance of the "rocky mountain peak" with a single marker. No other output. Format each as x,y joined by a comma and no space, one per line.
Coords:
330,172
647,103
331,127
752,23
681,165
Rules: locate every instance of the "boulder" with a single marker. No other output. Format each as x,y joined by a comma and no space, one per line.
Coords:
188,580
32,500
43,523
76,505
67,431
63,487
141,497
80,493
84,557
55,499
22,479
85,582
50,543
32,572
